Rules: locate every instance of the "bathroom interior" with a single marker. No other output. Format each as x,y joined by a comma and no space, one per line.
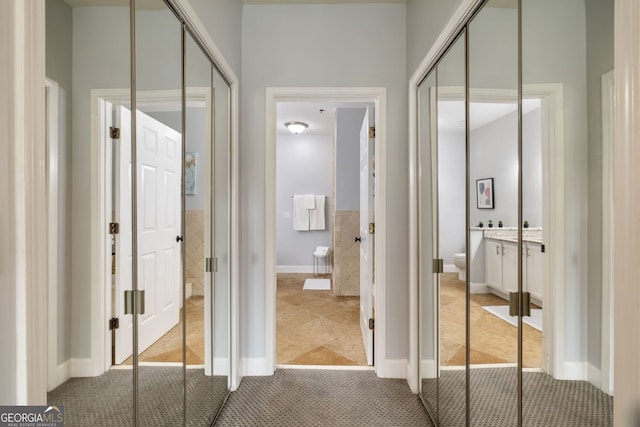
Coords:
318,265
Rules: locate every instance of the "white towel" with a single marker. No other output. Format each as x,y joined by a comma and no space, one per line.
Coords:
300,214
316,216
310,201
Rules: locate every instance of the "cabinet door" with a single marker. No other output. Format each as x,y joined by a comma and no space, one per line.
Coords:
534,259
493,263
509,267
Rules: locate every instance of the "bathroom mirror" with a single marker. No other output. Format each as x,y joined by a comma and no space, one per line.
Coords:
428,281
450,201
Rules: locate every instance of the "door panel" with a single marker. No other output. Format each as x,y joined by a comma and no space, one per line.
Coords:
367,238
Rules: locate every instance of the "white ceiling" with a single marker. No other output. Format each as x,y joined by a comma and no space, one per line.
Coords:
451,113
320,123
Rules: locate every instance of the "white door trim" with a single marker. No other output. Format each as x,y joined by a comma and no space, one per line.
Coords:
100,360
54,378
608,226
379,97
627,211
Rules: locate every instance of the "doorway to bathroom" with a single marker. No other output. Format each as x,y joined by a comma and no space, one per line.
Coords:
323,263
322,202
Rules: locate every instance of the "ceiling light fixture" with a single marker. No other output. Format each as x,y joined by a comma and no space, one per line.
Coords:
296,127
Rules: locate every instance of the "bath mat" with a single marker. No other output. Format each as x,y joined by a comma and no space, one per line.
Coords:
502,311
317,284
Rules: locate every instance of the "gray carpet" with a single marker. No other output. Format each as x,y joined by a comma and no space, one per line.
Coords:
308,398
107,400
546,402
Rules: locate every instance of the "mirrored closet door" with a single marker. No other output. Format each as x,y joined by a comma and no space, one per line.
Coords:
505,285
160,310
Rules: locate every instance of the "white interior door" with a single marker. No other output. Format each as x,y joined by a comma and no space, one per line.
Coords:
122,215
159,224
367,240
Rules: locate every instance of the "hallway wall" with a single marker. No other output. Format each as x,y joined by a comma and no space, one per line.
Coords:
330,46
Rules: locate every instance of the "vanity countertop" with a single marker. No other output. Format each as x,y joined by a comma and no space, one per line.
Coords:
510,234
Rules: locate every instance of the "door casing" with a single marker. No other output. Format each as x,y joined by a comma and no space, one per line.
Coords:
377,95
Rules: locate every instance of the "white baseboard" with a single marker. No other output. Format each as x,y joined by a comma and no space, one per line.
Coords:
594,376
80,368
428,369
576,371
480,288
294,269
395,368
256,367
61,375
450,268
221,366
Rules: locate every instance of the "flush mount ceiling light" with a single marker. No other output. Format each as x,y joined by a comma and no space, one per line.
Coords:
296,127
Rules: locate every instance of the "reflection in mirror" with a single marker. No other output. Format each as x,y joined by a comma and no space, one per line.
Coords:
160,142
198,300
451,220
428,281
564,64
222,238
493,202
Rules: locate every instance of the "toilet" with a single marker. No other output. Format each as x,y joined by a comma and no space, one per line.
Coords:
460,261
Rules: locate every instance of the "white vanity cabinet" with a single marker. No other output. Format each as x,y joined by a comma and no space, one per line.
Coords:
493,263
533,262
509,267
501,266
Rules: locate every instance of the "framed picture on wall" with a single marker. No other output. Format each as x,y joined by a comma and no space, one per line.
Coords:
484,193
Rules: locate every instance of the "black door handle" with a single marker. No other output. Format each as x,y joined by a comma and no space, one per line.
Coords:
358,239
179,239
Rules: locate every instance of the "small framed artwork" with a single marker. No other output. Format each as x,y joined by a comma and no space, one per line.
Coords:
190,169
484,193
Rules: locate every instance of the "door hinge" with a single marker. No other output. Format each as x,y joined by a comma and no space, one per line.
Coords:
372,324
211,265
114,133
134,302
114,323
514,304
372,228
438,266
542,248
114,228
372,132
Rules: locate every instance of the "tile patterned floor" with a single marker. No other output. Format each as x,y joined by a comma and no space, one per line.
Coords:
169,347
492,339
314,327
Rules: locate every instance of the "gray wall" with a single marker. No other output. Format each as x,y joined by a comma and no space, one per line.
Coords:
599,61
223,21
348,124
494,154
304,165
451,194
425,20
59,26
327,45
